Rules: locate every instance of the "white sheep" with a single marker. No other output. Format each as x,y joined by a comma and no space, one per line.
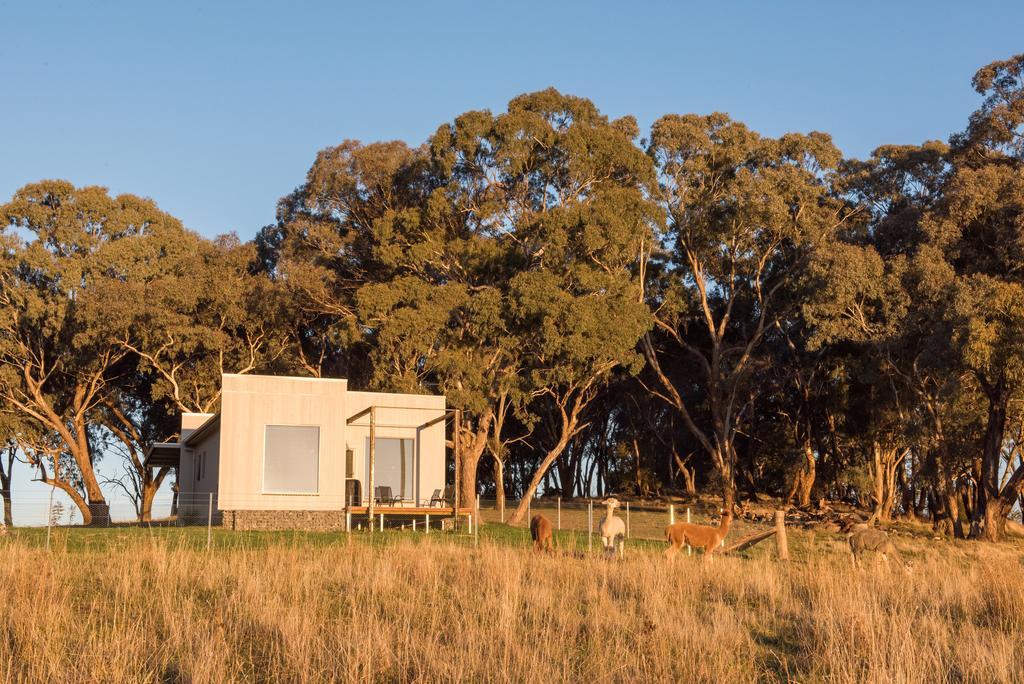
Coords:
613,530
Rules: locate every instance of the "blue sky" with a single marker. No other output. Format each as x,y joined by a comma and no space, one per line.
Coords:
216,110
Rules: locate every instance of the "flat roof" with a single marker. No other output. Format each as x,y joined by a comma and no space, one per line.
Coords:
201,431
283,377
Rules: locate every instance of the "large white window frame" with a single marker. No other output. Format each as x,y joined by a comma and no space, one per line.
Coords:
291,457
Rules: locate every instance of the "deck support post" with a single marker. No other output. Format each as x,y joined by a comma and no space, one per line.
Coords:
369,486
457,447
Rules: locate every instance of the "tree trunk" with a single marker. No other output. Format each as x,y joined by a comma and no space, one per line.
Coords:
990,510
994,523
499,483
94,508
5,485
884,462
944,490
689,482
727,469
549,458
907,487
150,486
954,513
687,472
803,481
570,426
998,509
471,451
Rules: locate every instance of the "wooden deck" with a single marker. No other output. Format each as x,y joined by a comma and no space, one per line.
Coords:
419,511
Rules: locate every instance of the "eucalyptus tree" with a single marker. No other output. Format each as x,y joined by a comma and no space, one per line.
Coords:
203,312
191,310
882,290
324,248
63,247
127,421
433,310
561,190
500,282
978,228
744,213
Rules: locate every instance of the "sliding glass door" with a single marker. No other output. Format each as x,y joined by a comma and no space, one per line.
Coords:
394,467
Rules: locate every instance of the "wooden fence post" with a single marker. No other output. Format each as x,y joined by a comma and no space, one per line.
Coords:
209,522
590,525
689,551
671,514
627,520
780,535
559,513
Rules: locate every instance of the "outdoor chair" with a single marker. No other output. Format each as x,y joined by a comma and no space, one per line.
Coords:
384,496
442,497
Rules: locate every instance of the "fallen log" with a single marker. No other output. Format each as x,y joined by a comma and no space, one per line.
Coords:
747,542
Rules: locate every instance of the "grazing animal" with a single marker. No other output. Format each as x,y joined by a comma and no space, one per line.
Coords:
864,540
613,530
540,532
702,536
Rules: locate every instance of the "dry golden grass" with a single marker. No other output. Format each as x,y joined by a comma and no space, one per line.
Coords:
146,609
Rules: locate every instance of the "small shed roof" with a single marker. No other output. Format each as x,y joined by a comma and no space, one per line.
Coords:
163,454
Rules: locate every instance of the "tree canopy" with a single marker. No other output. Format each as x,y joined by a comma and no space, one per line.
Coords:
693,307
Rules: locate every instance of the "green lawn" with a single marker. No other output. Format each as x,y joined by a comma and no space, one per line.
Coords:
74,539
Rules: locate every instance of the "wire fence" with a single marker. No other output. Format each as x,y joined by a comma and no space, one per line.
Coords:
37,510
575,521
644,519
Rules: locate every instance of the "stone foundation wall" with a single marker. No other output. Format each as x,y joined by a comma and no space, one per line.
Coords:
310,521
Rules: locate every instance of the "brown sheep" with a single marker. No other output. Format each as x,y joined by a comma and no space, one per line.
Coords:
701,536
540,532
